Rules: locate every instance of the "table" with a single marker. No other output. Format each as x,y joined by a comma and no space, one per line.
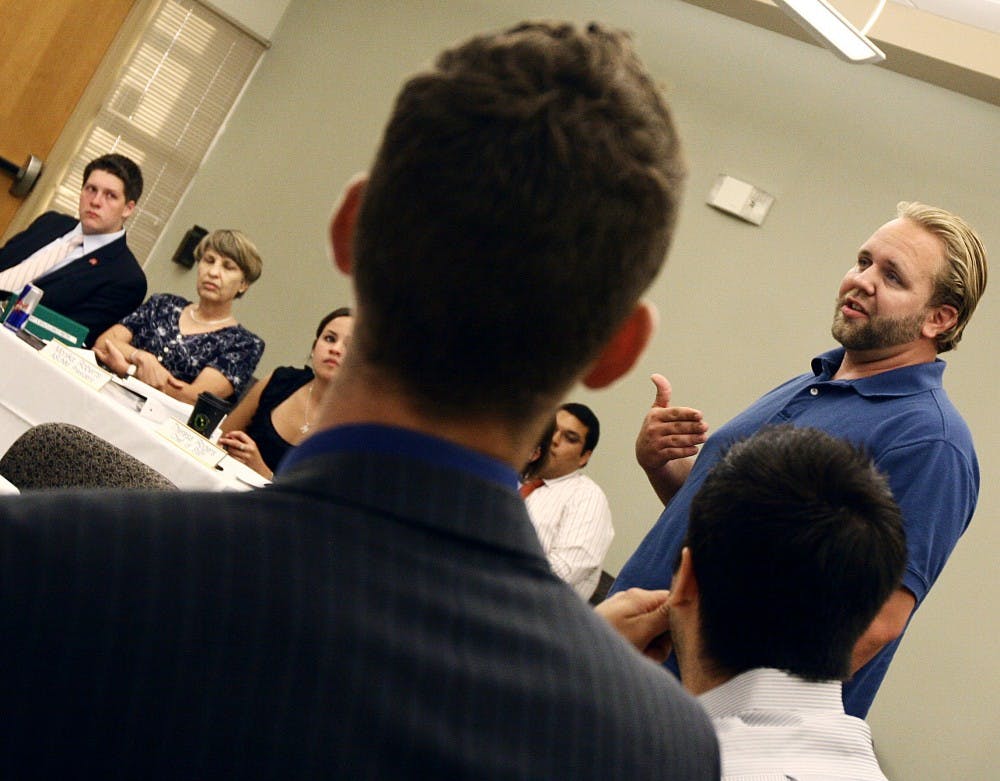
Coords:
34,390
7,487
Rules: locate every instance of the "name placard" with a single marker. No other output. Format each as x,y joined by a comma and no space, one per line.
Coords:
191,442
73,363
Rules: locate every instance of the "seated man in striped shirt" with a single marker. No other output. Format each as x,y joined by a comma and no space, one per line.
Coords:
794,544
569,510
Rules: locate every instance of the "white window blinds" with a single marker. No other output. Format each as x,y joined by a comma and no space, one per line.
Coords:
171,100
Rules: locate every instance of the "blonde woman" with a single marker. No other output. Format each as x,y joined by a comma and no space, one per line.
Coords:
184,348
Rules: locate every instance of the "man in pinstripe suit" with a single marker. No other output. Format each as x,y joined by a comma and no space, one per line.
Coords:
385,609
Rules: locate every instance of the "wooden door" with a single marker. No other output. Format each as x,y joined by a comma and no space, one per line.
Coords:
49,49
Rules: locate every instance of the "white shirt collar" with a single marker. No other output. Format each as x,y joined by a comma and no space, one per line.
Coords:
769,689
574,473
93,241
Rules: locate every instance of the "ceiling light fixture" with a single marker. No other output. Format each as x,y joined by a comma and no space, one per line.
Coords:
826,25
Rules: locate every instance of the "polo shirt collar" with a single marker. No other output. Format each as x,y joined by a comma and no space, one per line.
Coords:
905,381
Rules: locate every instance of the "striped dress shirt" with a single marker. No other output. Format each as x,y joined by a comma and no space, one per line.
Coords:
573,521
773,726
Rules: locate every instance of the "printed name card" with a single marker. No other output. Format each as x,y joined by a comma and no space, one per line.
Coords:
76,364
191,442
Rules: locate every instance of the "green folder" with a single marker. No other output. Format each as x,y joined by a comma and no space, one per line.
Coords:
49,325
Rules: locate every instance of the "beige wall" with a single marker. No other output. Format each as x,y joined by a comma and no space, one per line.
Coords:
260,17
742,308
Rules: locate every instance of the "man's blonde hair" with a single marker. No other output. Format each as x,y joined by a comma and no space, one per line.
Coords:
964,280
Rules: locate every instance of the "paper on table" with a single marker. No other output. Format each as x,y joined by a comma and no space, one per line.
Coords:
244,474
7,487
125,396
71,361
84,353
159,406
191,442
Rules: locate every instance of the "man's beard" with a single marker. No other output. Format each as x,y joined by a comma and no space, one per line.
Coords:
876,332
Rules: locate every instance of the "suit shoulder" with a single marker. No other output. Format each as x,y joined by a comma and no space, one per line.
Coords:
53,219
119,251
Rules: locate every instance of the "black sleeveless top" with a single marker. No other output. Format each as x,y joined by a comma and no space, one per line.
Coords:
284,382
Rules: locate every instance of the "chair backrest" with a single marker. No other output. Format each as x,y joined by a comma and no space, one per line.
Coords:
61,455
603,586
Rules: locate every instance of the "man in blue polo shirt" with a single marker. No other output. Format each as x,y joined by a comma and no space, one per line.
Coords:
911,293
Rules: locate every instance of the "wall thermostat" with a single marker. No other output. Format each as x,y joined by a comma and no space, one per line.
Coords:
740,199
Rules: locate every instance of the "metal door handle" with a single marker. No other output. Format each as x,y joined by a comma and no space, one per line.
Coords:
24,176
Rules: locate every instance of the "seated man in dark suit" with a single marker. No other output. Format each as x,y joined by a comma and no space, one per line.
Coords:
793,546
384,610
84,267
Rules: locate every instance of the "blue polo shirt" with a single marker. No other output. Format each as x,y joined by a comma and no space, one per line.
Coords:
913,433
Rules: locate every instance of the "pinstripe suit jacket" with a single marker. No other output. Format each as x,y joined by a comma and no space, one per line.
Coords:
96,290
365,617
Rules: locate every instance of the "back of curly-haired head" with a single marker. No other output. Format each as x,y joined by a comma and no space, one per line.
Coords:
523,197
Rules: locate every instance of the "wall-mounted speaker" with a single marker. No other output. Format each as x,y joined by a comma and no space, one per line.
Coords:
185,251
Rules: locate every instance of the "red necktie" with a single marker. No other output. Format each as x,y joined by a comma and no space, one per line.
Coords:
530,485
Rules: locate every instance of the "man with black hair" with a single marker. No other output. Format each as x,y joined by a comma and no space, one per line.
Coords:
84,267
569,510
794,545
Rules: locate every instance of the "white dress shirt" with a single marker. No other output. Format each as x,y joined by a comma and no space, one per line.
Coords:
773,726
573,521
91,243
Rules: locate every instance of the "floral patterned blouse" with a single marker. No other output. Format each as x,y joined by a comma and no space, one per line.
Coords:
234,351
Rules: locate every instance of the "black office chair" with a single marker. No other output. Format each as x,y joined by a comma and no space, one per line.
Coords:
61,455
603,586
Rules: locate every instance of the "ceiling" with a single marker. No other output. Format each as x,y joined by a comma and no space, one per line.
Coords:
984,14
953,44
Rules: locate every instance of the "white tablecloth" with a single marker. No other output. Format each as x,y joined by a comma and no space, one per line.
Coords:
34,390
7,487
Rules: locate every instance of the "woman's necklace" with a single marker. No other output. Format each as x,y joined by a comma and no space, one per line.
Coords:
304,428
193,316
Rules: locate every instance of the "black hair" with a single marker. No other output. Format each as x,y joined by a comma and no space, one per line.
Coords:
586,416
796,543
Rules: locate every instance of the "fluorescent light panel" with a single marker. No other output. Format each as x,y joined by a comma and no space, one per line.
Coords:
827,26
